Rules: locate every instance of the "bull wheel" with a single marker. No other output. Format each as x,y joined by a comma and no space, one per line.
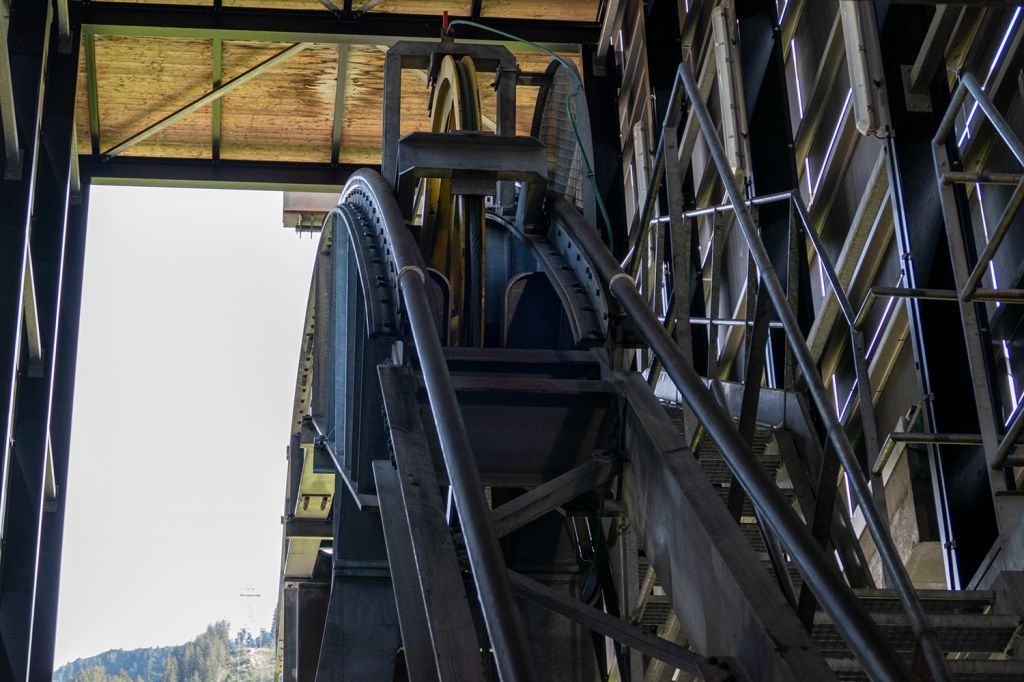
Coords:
452,236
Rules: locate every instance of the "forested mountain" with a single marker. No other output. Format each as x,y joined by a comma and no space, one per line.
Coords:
213,656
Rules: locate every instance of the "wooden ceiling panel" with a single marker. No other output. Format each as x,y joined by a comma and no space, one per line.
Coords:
427,7
364,105
276,4
141,80
364,92
284,114
166,2
566,10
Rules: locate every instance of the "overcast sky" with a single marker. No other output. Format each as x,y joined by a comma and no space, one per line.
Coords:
192,317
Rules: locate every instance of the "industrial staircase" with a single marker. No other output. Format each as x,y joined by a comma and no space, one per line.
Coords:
979,641
503,458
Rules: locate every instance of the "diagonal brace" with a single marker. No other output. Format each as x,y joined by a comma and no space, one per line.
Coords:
537,502
212,96
625,632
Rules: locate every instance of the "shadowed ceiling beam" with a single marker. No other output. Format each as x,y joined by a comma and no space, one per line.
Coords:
317,26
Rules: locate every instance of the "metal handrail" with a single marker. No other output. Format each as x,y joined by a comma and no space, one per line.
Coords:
971,289
866,639
490,574
631,263
969,84
856,476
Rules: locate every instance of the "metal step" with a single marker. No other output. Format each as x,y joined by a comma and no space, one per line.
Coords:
748,505
656,611
848,670
957,633
933,601
555,364
718,471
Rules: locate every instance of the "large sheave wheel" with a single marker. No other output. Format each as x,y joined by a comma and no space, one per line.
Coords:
452,227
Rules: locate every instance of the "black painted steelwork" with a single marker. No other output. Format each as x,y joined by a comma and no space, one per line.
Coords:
36,232
489,572
959,479
221,174
234,23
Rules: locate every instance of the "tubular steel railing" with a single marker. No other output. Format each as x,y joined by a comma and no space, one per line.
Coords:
866,639
968,279
875,653
500,612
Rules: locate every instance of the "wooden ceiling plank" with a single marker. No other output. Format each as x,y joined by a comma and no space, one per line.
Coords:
331,7
209,97
369,5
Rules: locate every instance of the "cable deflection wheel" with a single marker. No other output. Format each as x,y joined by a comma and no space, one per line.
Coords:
452,236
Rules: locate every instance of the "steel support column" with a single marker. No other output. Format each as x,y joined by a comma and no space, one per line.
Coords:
960,479
45,201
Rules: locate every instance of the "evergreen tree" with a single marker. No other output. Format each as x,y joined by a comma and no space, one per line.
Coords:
170,670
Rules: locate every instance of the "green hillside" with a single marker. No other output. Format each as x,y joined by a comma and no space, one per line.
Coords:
213,656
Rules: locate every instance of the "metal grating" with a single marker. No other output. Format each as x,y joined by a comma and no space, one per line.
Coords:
988,633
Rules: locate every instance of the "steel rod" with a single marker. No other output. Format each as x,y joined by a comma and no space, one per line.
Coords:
632,262
983,295
855,474
826,262
725,208
937,438
968,178
725,322
500,612
995,239
968,84
866,639
1009,442
631,635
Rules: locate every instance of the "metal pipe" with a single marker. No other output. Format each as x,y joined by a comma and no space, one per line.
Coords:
500,612
855,475
632,262
899,292
936,438
1009,442
996,238
866,639
983,295
968,84
965,177
723,322
725,208
869,421
826,262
